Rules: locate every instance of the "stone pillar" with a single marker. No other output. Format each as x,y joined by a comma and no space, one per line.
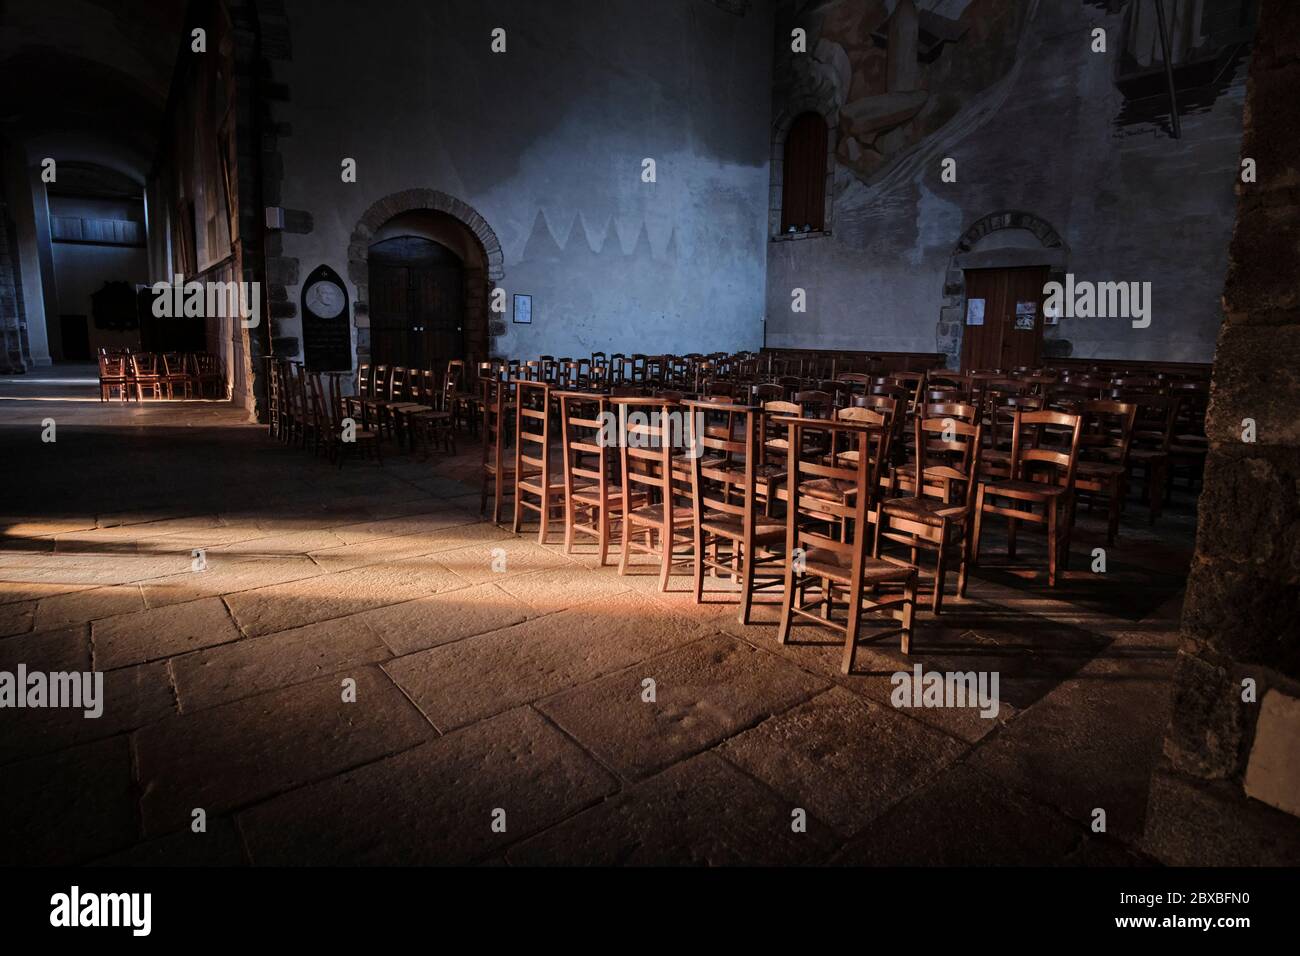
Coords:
1227,790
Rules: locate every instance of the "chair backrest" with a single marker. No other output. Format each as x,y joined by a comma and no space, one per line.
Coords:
807,513
816,403
724,460
947,451
771,433
649,432
382,382
1107,431
1028,452
1156,418
584,435
533,430
496,396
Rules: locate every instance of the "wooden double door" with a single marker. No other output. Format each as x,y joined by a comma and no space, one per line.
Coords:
417,304
1008,307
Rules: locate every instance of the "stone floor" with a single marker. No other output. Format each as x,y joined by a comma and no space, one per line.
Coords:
497,680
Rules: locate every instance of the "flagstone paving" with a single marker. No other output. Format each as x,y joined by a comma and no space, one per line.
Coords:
365,671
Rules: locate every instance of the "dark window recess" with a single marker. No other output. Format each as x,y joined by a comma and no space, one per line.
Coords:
803,187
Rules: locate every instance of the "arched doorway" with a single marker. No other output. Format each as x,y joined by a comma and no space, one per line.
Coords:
438,230
417,303
423,267
1003,259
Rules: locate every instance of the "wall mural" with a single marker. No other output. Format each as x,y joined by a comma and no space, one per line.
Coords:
896,71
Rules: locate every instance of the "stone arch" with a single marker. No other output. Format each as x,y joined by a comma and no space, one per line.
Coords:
478,327
826,107
1051,252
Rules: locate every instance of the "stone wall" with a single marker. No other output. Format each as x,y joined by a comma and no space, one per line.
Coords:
544,146
1228,789
1038,127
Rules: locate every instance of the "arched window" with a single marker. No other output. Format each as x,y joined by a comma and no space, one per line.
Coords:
803,187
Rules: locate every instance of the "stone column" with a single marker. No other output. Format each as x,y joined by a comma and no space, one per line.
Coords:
1228,788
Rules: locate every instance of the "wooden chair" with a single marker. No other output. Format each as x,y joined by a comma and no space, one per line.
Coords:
593,498
647,451
838,561
209,374
1153,433
724,476
426,419
113,375
534,477
148,374
938,515
177,376
1055,495
498,473
364,440
1000,418
1103,457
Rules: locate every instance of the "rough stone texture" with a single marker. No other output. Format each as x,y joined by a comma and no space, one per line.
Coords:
218,846
67,649
460,683
438,799
255,665
965,818
1089,744
161,632
1242,616
133,697
704,693
283,606
67,807
443,618
845,759
224,758
718,817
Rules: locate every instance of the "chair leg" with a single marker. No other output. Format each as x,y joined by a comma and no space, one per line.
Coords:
940,573
626,548
787,603
851,628
1051,544
965,560
605,519
666,550
746,583
699,563
909,614
979,523
1116,493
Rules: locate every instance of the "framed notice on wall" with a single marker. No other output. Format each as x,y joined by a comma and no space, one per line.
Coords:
974,311
1026,314
524,309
